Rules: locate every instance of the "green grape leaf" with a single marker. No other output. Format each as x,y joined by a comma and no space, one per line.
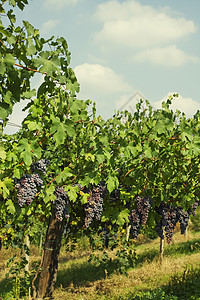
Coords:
112,183
9,60
59,136
10,207
47,64
27,157
2,153
123,217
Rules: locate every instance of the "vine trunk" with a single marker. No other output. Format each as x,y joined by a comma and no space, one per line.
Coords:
49,269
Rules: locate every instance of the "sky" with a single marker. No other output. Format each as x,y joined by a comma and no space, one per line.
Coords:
119,47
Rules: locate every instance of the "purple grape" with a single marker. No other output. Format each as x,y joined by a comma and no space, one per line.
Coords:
94,205
61,204
139,215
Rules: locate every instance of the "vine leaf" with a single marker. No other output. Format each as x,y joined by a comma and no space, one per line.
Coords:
59,136
10,206
27,157
5,186
2,153
46,64
123,217
112,182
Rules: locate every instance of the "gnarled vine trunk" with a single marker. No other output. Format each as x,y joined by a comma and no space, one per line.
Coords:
49,268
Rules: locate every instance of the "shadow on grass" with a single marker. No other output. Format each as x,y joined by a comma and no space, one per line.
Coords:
185,248
185,285
9,290
86,273
83,274
6,286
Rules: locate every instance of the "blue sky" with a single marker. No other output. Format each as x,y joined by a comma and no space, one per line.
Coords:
120,47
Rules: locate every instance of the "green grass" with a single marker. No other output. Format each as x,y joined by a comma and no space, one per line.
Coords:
177,278
78,279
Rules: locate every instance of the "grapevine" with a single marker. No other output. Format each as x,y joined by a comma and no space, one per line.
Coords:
156,151
139,215
61,204
94,206
27,186
170,216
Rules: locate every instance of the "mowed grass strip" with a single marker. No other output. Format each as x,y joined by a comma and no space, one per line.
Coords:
79,279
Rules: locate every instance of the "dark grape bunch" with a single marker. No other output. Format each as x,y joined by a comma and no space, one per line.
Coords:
26,190
183,217
169,219
27,186
139,215
61,204
40,165
135,223
94,205
143,207
37,179
115,195
194,207
159,228
170,216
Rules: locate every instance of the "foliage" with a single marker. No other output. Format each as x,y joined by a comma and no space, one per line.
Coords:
152,153
195,221
20,277
186,284
154,295
124,259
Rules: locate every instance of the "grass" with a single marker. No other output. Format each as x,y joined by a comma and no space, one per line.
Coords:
78,279
177,278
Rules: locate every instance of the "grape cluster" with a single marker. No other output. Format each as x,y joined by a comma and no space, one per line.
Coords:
183,217
143,207
26,190
27,186
135,223
37,179
194,207
94,205
40,165
61,204
170,216
159,228
139,215
115,195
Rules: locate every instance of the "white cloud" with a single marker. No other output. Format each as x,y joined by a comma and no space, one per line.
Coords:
102,85
49,25
169,56
58,4
134,25
186,105
96,79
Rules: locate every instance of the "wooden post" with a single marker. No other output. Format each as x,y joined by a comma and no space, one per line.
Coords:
49,268
161,250
41,240
186,233
27,243
128,228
